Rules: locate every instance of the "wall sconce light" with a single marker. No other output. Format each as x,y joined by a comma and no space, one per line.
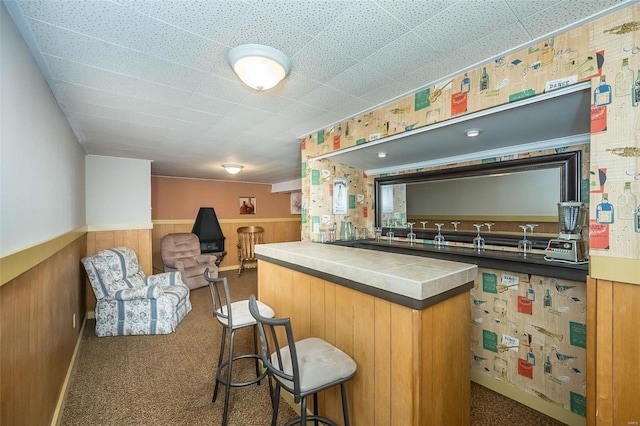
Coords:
232,169
472,133
259,67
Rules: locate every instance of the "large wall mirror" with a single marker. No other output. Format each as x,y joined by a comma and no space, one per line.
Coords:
506,193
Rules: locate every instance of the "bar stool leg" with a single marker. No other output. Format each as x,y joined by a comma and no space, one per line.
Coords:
345,410
276,404
228,387
255,349
315,409
220,359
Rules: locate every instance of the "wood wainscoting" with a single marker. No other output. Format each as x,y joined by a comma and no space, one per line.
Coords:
276,230
137,239
613,353
37,334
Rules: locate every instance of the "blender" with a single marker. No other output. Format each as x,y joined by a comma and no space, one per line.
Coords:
569,246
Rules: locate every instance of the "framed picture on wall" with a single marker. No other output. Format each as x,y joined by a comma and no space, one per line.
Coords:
247,205
296,202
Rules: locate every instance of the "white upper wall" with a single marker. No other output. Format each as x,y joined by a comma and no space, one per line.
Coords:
42,164
118,193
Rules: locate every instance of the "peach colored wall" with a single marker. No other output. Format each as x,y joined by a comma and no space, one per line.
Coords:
177,198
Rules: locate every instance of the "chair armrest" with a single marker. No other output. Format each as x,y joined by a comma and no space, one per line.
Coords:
166,279
148,292
171,263
207,258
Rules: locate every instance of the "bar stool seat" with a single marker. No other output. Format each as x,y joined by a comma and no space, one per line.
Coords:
233,316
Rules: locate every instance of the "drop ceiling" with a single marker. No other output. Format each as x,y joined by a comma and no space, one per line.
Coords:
150,79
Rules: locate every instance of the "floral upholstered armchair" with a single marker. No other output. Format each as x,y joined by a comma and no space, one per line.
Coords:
128,302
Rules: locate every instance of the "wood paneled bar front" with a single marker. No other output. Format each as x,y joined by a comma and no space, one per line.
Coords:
404,319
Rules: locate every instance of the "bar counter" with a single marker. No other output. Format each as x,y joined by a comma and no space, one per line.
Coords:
404,319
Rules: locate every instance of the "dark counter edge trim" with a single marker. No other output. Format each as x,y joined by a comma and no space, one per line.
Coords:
373,291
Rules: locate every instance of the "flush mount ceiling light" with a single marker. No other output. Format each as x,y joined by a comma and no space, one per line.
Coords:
382,154
472,133
259,67
232,169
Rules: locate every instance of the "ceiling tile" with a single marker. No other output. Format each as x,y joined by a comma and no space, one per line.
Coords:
308,17
563,13
325,97
83,49
217,87
443,31
84,75
171,74
361,30
160,93
523,9
321,62
413,13
147,106
176,45
211,105
402,56
351,81
199,117
71,92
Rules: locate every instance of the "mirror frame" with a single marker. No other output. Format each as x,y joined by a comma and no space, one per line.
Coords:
569,163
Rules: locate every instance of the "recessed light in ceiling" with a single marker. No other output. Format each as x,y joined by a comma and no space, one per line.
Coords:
472,133
382,154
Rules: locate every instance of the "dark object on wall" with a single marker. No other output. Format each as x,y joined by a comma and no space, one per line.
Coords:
208,230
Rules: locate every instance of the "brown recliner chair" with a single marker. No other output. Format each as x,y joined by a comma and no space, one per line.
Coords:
181,252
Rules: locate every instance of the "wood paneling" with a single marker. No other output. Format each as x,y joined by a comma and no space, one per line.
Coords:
626,353
137,239
412,365
37,338
592,297
613,347
275,231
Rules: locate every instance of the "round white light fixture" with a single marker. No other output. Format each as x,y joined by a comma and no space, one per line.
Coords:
232,169
472,133
259,67
382,154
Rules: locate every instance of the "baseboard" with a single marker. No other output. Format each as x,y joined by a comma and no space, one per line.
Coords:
62,398
531,401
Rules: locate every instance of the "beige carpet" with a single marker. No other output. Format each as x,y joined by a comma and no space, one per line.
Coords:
168,380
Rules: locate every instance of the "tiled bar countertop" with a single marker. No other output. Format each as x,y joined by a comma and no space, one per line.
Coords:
412,281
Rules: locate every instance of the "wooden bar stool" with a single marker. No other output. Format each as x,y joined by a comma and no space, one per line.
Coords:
248,237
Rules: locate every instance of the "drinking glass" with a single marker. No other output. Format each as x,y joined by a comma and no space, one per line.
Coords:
489,225
390,236
478,241
322,236
532,227
455,225
524,245
424,224
378,231
439,238
411,236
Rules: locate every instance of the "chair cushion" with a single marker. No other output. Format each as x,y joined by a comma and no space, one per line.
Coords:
320,364
114,269
179,245
241,316
188,262
150,292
